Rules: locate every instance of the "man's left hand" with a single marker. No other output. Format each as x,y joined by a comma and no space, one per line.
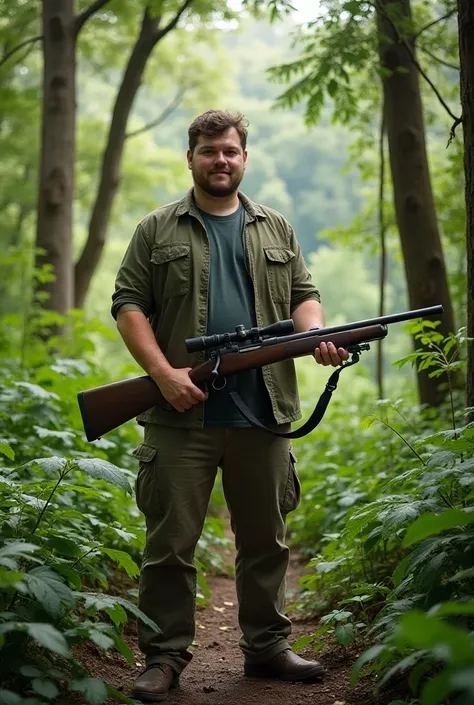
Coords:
328,354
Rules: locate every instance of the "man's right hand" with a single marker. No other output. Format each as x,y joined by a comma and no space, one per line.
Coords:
178,389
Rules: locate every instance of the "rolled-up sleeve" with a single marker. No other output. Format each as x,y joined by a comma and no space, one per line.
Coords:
133,284
302,287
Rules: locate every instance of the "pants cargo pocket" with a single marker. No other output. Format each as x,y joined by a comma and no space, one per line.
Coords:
292,495
146,486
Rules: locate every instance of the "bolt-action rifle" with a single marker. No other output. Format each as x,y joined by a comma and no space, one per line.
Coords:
109,406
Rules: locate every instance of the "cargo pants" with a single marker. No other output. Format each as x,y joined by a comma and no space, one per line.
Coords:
177,471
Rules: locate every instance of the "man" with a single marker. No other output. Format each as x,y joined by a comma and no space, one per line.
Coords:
196,267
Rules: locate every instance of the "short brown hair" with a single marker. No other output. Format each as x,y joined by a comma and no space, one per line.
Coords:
215,122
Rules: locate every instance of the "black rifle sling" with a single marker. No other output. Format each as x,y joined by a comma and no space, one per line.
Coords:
314,419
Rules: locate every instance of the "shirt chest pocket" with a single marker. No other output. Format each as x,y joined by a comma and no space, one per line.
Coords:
172,264
278,260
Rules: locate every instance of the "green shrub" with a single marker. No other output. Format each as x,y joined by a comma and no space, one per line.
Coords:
390,532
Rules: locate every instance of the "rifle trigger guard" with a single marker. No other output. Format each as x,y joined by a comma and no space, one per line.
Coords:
222,386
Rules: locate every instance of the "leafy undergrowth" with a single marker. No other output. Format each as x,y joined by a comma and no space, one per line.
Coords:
68,522
388,527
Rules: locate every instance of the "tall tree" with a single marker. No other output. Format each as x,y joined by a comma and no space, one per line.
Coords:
61,28
151,32
339,58
466,50
56,177
54,229
423,256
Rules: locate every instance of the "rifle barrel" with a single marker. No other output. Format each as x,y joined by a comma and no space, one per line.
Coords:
381,320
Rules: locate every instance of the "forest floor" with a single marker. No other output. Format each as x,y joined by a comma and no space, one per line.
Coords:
215,674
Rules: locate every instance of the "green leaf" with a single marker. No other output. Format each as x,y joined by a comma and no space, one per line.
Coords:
118,696
36,391
336,616
344,634
92,689
418,673
103,470
463,679
91,492
19,549
462,575
98,602
49,433
302,642
47,587
332,88
49,465
124,649
30,672
124,561
46,688
449,608
406,664
11,579
117,614
102,640
351,6
8,697
6,450
370,655
429,524
125,535
63,546
400,571
49,637
71,575
437,689
399,514
448,643
442,458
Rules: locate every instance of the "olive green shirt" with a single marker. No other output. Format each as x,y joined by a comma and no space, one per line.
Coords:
165,274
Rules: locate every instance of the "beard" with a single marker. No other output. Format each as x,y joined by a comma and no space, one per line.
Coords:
218,190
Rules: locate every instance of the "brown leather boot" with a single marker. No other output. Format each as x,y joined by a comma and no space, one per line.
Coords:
153,685
286,666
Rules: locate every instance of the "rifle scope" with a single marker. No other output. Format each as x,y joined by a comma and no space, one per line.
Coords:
241,334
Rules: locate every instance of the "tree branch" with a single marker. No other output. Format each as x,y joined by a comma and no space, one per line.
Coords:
161,118
10,53
438,60
428,80
406,44
81,19
452,132
431,24
172,24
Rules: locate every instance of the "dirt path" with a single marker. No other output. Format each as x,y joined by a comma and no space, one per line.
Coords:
215,675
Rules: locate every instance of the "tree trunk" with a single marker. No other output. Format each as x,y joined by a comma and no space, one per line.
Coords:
414,205
466,52
112,157
150,35
56,176
383,249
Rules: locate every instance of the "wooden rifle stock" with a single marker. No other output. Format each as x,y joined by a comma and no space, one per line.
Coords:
111,405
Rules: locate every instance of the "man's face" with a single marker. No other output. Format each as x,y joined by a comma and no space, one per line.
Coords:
218,163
